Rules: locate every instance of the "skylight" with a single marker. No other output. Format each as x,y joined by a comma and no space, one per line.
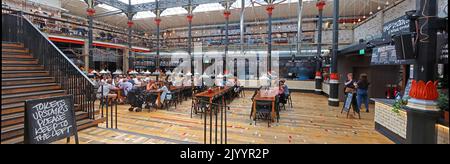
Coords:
179,10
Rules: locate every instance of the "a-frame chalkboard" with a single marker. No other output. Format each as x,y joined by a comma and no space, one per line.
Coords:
49,120
348,104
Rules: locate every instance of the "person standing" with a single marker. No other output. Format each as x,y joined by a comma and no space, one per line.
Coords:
351,88
362,87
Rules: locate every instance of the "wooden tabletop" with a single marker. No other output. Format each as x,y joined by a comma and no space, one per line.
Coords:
215,92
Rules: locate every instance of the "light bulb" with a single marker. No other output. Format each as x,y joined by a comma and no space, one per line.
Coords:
387,3
359,20
364,17
379,8
371,13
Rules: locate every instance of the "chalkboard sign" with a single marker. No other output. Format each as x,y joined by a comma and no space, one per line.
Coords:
387,55
348,102
48,120
397,26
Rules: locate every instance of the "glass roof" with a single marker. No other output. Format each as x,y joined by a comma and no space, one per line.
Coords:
179,10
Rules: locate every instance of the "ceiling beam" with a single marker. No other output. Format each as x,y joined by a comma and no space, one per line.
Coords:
172,3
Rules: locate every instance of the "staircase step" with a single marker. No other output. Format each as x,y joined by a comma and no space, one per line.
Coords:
13,108
27,80
17,56
19,74
22,68
18,118
12,45
29,88
15,62
15,98
15,50
14,134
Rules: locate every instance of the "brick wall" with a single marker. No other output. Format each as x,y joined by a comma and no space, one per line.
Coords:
372,28
391,120
442,134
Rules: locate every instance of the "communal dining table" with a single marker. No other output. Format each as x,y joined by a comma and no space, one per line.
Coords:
267,96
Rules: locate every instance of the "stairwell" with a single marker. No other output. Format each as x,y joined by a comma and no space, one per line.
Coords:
24,78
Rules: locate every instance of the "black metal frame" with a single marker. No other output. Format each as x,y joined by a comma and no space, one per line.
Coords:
216,108
16,28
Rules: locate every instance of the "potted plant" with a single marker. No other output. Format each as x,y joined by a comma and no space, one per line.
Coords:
443,103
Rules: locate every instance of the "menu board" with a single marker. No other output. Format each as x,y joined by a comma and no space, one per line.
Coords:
443,8
387,55
48,120
444,54
396,26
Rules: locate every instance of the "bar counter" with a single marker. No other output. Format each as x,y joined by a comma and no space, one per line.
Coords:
394,125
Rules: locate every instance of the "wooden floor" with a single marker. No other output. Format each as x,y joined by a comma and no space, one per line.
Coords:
311,121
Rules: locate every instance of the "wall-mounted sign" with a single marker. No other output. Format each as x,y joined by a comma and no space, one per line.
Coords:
442,48
386,55
397,26
444,54
443,8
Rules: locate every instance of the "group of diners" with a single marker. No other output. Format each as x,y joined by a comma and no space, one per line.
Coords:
138,91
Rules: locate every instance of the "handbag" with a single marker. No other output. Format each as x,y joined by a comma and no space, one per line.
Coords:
349,90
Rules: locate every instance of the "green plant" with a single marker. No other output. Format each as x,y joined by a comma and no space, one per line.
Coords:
398,105
443,100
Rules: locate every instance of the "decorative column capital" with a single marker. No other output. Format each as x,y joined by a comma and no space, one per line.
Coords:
270,9
90,11
130,24
320,5
190,17
227,14
158,21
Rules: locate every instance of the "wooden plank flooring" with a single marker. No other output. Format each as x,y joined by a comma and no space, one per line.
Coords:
311,121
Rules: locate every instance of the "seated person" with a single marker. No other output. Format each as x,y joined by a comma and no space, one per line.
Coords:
285,88
151,86
137,82
165,89
107,88
126,86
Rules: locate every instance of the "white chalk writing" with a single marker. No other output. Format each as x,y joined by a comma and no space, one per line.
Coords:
52,120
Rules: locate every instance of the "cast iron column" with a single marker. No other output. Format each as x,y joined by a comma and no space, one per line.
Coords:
226,14
320,5
90,13
333,100
242,25
130,50
299,27
423,111
189,17
270,7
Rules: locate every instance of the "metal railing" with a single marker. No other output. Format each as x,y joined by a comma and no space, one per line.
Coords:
16,28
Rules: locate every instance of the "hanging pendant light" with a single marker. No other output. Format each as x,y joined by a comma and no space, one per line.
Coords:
189,74
147,72
103,71
133,72
118,72
220,76
204,76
